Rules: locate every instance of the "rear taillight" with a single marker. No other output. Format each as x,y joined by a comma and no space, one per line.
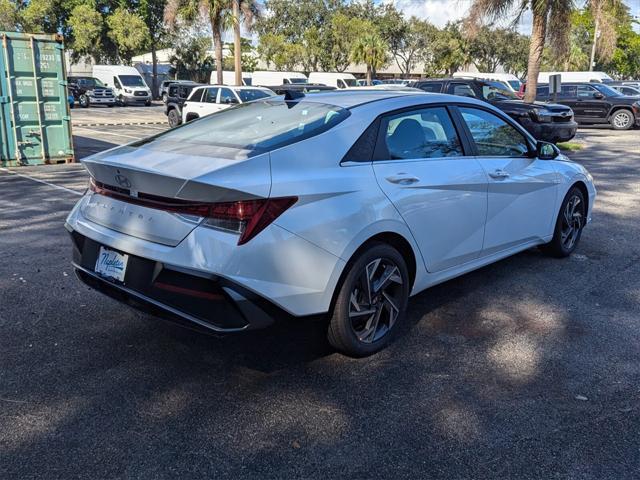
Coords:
245,217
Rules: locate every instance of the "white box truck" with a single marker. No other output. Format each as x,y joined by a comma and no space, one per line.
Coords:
274,79
592,77
331,79
126,82
229,78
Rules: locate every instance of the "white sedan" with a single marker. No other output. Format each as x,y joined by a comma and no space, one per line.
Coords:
213,98
340,203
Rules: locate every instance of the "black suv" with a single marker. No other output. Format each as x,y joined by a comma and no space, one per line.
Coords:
545,121
597,103
177,94
90,91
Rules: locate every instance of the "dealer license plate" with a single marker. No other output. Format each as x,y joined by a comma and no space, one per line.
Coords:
111,264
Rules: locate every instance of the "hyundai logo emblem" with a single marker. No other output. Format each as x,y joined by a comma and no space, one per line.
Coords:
123,181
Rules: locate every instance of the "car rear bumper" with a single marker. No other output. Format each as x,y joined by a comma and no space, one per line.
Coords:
204,302
551,132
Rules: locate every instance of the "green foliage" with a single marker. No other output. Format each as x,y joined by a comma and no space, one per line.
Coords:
128,32
370,49
191,59
248,60
447,52
86,23
490,48
8,15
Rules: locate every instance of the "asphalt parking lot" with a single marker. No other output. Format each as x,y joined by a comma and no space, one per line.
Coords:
528,368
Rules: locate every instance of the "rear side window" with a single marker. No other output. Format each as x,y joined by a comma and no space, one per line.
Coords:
493,136
210,95
585,91
197,95
435,87
227,96
422,133
461,89
255,127
568,91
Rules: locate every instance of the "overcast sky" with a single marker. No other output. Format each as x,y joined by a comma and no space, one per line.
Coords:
440,12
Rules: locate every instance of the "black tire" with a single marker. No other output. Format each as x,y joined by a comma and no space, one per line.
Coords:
569,226
110,105
622,120
147,103
362,323
121,101
174,118
84,101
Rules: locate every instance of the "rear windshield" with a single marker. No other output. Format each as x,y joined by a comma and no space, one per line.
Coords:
250,95
255,128
608,91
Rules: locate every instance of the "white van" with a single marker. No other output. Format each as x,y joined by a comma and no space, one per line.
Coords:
509,79
126,82
331,79
229,78
594,77
273,79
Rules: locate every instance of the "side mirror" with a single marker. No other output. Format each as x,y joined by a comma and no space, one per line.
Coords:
546,150
598,95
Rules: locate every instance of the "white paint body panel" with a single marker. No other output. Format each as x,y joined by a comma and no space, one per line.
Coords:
456,219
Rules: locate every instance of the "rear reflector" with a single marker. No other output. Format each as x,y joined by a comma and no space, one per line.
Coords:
245,217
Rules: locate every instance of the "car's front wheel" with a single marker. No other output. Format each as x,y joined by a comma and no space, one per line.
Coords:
571,220
174,118
622,120
371,302
84,101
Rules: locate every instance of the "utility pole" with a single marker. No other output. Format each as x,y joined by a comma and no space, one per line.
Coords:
237,43
596,34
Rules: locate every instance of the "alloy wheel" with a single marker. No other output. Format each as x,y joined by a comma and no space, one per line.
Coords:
621,120
374,303
572,222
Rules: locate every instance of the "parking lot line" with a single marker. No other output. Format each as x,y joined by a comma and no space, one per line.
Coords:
41,181
102,132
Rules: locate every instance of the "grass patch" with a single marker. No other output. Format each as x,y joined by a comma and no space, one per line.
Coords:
570,146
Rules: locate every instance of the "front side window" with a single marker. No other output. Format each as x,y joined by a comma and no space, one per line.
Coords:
586,91
492,135
497,91
424,133
297,80
116,82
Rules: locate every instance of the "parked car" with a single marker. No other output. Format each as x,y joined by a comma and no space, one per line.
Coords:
177,94
332,79
342,204
362,82
626,90
300,88
549,122
229,78
128,85
212,98
397,81
590,77
594,103
268,79
512,82
164,87
89,91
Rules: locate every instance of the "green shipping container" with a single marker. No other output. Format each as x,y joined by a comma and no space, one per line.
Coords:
35,123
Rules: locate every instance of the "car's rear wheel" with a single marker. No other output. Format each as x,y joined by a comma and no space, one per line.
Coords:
173,117
622,120
571,220
371,302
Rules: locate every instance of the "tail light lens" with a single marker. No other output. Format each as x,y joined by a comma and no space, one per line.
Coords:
245,217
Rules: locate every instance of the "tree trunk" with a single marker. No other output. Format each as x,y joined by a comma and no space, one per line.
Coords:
237,44
217,46
368,74
536,47
154,71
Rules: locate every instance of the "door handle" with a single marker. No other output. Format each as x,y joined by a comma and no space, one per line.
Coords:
402,179
499,173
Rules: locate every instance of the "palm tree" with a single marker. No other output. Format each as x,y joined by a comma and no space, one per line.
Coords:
371,50
550,18
244,11
605,35
221,17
